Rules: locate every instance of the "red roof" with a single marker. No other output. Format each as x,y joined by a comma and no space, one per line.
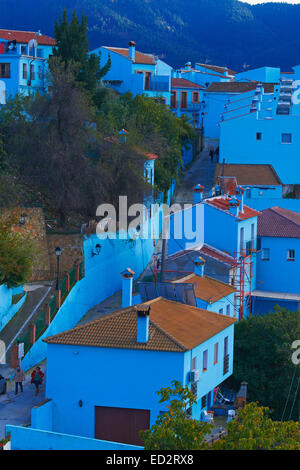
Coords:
140,57
222,203
24,37
278,222
183,83
217,68
216,254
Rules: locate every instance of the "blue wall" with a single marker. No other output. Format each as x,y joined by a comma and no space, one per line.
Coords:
262,74
7,309
36,439
263,306
278,274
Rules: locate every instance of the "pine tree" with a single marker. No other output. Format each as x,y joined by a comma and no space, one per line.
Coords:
72,46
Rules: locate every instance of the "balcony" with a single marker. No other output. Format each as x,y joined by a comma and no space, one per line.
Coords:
159,83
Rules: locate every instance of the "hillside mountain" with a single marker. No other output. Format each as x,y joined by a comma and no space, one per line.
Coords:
225,32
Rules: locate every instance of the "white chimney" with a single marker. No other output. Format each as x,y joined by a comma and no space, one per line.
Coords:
127,284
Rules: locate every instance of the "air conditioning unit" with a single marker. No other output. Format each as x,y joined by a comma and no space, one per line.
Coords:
194,375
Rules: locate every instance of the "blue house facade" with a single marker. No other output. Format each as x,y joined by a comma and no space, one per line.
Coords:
278,262
23,62
261,74
187,99
136,72
143,348
266,130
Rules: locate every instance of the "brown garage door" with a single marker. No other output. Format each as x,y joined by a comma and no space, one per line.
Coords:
120,424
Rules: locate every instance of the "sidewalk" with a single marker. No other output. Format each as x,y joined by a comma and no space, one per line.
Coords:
16,409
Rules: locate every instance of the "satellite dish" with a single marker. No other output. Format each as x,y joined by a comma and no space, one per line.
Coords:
32,43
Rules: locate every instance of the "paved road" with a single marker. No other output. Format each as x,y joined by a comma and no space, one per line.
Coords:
16,409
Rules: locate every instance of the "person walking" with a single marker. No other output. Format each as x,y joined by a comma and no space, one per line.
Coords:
19,378
37,378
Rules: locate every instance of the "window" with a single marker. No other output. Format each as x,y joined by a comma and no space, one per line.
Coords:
265,254
221,311
40,71
25,71
242,235
196,97
258,243
32,72
228,309
184,100
203,402
4,70
216,353
174,99
226,356
205,357
258,135
24,50
291,255
252,236
148,81
286,138
194,363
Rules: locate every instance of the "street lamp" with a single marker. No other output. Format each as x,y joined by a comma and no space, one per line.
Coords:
58,252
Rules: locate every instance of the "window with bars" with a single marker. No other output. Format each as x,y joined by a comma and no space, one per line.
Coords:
25,71
5,70
32,72
291,255
203,401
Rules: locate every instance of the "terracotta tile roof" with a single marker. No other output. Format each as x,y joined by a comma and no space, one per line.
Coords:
278,222
217,68
207,288
140,57
183,83
26,36
249,174
173,327
217,254
222,203
203,73
228,184
238,87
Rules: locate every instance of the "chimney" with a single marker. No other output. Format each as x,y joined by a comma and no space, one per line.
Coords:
199,266
234,206
240,197
127,287
142,331
198,193
131,50
188,66
241,396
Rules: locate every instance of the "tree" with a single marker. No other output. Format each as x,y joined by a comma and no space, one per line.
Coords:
262,357
47,139
16,253
174,430
72,47
254,430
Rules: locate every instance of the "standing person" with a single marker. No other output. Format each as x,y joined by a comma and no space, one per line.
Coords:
2,385
211,154
37,378
19,378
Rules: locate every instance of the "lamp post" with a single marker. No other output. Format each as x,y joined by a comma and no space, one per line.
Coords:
58,252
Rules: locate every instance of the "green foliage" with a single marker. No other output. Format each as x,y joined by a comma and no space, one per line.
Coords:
173,430
72,47
262,357
151,126
16,253
254,430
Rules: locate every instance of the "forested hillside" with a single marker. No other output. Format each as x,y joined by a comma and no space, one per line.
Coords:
227,32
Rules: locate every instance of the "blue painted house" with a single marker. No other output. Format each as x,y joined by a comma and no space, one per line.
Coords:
205,74
135,71
278,261
211,294
187,99
265,130
260,74
23,62
114,366
226,100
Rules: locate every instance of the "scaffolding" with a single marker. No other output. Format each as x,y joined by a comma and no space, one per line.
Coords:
242,280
